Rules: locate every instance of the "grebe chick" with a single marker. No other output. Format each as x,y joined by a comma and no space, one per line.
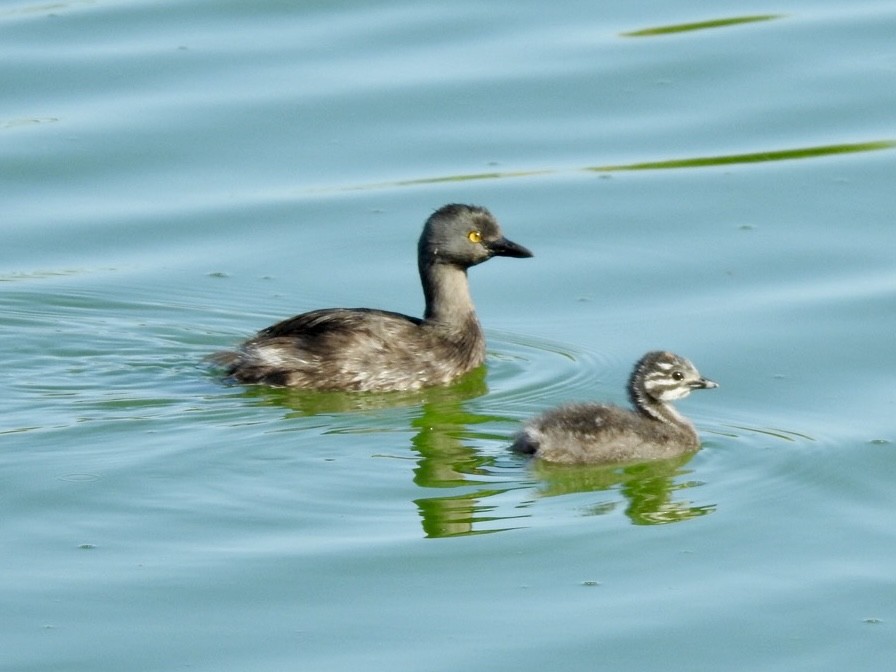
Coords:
597,433
364,349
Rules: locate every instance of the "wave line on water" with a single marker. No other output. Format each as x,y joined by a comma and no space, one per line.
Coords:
701,25
767,156
753,157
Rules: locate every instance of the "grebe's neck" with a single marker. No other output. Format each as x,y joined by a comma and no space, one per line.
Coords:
447,294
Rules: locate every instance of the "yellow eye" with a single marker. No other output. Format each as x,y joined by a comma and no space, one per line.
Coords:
474,237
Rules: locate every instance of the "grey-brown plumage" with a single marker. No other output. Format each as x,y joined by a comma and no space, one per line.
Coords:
364,349
595,433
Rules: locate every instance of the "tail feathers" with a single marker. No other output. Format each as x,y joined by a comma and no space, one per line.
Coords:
239,368
526,442
225,359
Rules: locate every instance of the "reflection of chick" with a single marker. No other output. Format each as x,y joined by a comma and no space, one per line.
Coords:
365,349
595,433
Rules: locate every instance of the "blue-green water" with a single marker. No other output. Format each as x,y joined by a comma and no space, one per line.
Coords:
716,180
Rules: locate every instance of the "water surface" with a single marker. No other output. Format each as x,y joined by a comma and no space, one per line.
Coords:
712,180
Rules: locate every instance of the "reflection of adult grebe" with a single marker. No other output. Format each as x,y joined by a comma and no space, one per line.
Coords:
595,433
365,349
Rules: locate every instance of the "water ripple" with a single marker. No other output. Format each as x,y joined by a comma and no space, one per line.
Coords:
525,372
701,25
766,156
754,157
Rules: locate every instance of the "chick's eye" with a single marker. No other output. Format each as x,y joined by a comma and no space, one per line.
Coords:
677,375
474,237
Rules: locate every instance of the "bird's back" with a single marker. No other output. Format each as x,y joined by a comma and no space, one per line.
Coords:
597,433
356,349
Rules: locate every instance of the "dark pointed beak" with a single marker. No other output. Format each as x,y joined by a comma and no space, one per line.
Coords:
507,248
704,384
